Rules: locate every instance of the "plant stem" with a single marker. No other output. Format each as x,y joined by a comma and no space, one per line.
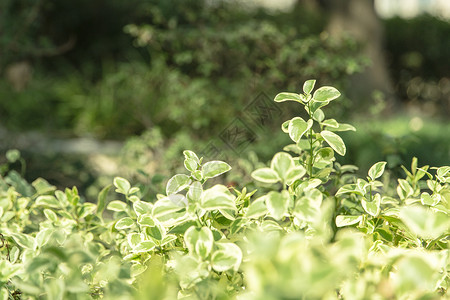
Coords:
311,156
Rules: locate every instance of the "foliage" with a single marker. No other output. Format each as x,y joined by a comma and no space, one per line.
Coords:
191,58
420,69
312,231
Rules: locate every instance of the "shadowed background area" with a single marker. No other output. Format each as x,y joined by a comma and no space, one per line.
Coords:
93,89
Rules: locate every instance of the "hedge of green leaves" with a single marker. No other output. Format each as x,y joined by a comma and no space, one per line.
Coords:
316,232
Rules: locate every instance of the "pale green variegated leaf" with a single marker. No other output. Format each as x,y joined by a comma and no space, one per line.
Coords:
282,163
49,214
330,123
326,93
404,186
281,97
146,220
144,246
7,271
285,126
257,208
117,205
307,208
168,238
124,223
188,154
294,174
134,239
168,205
214,168
372,207
342,220
298,127
101,200
48,201
43,236
344,127
122,185
334,141
424,222
377,170
266,175
177,183
191,161
218,197
24,240
227,257
426,199
308,86
277,203
195,192
142,207
199,241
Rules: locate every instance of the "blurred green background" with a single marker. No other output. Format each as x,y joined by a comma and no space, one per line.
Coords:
94,89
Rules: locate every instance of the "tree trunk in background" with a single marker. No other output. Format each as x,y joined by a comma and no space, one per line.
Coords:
358,18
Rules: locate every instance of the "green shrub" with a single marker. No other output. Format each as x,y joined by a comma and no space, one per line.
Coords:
313,230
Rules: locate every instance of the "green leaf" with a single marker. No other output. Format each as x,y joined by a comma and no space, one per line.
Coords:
416,272
8,270
117,205
277,204
177,183
168,238
195,191
318,115
188,154
294,174
146,220
199,241
308,86
43,236
266,175
342,220
218,197
101,200
285,126
122,185
257,208
227,257
12,155
307,208
144,246
24,240
4,294
426,199
47,200
86,209
50,214
334,141
406,187
281,97
142,207
214,168
134,239
326,93
298,127
190,164
377,170
124,223
282,163
424,222
169,205
330,123
344,127
372,207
